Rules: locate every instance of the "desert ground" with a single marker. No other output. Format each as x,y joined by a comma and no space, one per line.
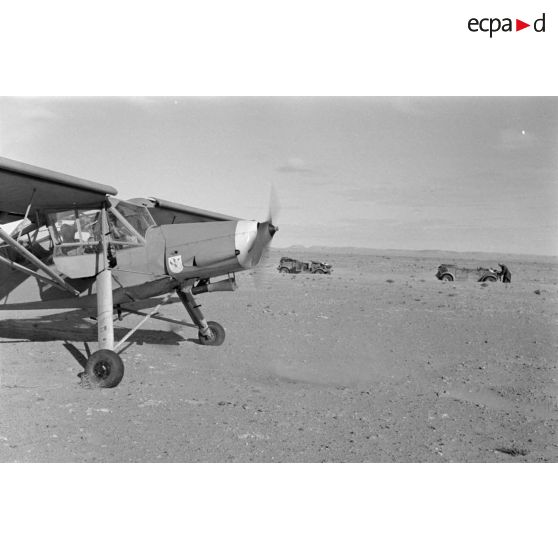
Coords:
379,362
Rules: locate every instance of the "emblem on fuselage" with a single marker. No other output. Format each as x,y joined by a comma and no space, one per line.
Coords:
175,264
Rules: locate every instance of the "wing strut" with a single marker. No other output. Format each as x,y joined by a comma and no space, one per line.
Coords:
26,215
35,261
28,271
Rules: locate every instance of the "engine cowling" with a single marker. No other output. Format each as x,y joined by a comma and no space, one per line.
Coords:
191,246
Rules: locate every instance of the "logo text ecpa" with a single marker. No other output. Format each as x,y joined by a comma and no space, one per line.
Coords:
493,25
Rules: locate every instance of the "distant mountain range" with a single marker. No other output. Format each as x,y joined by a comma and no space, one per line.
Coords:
436,254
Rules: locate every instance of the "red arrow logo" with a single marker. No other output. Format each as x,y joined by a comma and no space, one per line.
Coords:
519,25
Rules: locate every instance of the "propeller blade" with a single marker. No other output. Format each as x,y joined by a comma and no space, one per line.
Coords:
274,206
266,230
258,273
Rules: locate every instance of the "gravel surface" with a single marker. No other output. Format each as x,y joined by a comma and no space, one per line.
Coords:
379,362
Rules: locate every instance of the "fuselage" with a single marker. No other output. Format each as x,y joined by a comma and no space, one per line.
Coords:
147,259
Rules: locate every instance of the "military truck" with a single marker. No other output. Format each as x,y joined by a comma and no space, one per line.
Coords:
450,272
290,265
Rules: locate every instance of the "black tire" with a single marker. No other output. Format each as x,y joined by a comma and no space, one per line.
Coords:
446,277
284,270
104,369
489,279
320,271
217,335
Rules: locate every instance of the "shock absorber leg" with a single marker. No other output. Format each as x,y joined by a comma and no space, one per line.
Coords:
193,309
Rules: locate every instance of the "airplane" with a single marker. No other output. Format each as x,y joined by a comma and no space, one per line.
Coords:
78,246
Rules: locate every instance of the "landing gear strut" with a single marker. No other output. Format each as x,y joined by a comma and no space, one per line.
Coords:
104,368
210,333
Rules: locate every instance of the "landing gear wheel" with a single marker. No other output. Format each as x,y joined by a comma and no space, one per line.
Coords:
104,369
217,335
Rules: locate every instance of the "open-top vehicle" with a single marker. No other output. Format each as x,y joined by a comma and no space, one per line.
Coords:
450,272
290,265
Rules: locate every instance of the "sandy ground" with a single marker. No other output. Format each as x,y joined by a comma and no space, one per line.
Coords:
379,362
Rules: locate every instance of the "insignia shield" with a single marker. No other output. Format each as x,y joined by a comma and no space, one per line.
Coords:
175,264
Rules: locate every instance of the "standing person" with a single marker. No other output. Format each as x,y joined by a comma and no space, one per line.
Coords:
504,273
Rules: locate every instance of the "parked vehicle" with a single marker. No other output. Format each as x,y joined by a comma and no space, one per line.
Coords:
290,265
450,272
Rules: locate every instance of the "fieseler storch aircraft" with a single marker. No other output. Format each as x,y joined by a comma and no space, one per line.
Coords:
78,246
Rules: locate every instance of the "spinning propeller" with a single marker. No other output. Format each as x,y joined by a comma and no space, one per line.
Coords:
266,231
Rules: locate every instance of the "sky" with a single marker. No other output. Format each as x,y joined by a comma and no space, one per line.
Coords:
417,173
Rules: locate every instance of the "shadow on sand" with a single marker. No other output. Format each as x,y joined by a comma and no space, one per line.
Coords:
75,327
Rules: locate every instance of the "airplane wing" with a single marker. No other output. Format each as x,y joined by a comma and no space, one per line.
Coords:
166,212
22,184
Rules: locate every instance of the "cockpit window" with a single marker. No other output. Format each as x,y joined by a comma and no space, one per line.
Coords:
121,233
75,226
75,231
136,215
78,231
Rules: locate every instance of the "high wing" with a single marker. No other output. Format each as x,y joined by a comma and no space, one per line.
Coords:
168,213
23,185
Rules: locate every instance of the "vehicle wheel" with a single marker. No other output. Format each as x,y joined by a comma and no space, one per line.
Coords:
489,279
217,335
104,369
284,270
320,271
446,277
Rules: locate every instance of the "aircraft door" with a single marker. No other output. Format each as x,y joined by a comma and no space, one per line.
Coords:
77,242
76,235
